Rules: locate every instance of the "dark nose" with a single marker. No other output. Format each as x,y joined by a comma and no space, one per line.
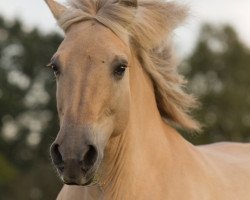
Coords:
74,170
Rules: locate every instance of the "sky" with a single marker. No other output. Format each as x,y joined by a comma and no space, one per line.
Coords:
34,13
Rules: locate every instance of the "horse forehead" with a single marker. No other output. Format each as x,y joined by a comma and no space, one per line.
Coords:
91,36
92,39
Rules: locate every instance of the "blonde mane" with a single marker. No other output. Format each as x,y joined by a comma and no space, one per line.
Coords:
146,26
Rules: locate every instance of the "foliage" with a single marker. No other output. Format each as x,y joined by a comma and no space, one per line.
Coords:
218,71
7,171
28,120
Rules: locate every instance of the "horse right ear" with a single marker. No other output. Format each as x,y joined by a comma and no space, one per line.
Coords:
129,3
56,8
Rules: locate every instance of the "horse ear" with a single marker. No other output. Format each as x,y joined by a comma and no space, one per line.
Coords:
129,3
176,14
56,8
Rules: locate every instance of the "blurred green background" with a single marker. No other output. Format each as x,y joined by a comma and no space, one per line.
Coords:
218,71
28,120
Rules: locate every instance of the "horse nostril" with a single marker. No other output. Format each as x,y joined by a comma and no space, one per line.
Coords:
56,156
89,158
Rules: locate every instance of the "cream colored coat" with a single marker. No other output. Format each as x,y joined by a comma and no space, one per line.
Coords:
149,160
155,162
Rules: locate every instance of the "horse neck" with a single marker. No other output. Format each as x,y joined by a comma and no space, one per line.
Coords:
144,151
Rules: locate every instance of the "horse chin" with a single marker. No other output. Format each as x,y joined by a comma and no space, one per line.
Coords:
81,177
90,182
89,179
83,182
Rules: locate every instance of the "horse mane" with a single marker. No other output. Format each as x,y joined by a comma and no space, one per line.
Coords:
147,28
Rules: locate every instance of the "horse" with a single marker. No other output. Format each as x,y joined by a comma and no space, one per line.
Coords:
121,102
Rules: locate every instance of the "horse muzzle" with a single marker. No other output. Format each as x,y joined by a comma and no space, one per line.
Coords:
78,168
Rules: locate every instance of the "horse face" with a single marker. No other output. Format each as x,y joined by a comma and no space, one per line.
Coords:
92,73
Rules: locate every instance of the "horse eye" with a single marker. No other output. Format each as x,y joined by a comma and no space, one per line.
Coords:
120,70
55,68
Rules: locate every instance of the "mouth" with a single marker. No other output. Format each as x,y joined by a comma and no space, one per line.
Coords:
83,172
85,183
88,180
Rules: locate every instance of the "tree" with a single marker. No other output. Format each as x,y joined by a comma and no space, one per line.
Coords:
218,71
28,119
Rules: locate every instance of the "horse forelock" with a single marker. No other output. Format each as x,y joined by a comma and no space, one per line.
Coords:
147,29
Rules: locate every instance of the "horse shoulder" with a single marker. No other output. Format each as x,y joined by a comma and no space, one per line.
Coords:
229,157
231,149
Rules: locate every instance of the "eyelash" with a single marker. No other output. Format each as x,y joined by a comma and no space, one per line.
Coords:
54,67
120,70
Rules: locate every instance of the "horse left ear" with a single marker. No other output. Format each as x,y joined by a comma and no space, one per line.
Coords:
129,3
56,8
175,14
